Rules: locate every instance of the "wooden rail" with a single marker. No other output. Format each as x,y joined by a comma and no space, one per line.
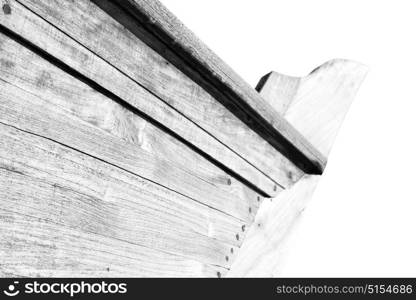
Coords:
194,58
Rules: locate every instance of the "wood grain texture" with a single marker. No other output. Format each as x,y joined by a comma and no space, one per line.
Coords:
162,156
43,35
39,248
154,16
316,105
48,187
259,254
110,152
96,30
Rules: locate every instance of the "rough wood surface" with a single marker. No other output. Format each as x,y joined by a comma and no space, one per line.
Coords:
53,102
96,30
259,254
315,104
153,16
118,158
40,248
162,155
61,209
43,35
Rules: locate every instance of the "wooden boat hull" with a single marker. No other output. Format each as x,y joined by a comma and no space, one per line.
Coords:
127,148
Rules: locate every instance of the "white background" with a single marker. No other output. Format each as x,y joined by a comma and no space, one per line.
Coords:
362,219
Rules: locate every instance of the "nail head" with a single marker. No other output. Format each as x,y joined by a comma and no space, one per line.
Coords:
6,9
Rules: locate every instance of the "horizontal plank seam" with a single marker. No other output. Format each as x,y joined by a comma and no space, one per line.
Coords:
10,274
114,238
130,107
77,192
288,148
251,154
130,172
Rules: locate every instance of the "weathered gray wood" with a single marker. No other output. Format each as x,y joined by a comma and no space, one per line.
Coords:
40,248
259,255
55,185
316,104
31,113
107,38
63,94
79,160
166,27
34,29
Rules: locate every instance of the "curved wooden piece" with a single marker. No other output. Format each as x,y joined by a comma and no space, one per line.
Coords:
316,106
259,253
317,103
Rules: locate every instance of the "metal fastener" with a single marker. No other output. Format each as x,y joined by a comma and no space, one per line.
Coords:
7,9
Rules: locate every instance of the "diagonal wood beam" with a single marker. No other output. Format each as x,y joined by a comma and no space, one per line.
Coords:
203,66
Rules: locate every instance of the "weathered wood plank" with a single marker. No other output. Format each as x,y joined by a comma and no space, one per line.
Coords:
31,113
63,94
317,103
259,253
96,30
31,27
39,248
167,28
55,184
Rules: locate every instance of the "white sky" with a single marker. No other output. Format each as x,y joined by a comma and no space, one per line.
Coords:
362,220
